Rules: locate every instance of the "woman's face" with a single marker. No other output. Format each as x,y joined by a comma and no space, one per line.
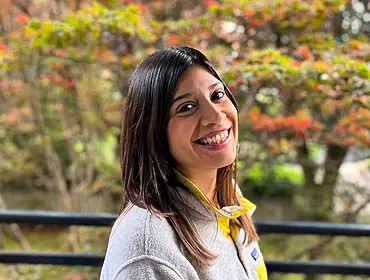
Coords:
203,125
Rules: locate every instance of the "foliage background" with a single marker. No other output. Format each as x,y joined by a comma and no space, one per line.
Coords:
299,70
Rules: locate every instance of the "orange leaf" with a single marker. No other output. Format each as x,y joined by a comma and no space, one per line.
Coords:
350,141
305,52
266,17
22,19
173,40
352,128
25,111
57,65
12,117
212,4
250,12
61,52
276,149
280,12
254,114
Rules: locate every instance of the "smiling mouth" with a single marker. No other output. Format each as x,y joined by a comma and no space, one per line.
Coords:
216,139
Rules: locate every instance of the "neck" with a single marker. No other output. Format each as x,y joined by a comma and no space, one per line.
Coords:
205,180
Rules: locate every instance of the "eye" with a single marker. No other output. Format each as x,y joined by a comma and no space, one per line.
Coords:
217,95
185,108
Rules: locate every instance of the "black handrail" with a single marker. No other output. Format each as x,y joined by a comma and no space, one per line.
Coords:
51,258
312,267
106,219
316,228
56,218
318,267
103,219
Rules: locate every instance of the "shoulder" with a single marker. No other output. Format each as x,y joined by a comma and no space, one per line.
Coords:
139,235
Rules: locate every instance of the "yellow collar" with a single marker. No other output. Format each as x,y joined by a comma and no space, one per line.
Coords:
230,212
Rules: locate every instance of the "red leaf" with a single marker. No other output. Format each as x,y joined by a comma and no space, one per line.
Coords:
143,8
306,123
232,87
3,47
56,80
366,141
289,122
258,126
70,84
339,129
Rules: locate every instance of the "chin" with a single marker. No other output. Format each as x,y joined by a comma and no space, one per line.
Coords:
226,162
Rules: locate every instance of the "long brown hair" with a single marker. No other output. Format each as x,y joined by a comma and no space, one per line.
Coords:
148,178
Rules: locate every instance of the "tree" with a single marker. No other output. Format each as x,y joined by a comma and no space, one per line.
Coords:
297,68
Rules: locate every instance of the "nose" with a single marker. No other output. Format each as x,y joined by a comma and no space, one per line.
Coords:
212,114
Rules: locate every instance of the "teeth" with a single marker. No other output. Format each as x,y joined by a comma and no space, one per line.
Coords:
215,139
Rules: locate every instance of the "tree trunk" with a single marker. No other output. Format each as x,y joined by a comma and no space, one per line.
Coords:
314,255
321,196
13,230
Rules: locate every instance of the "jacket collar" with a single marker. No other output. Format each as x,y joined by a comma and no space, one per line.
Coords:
229,212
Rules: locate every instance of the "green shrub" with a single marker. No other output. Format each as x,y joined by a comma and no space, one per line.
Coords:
263,180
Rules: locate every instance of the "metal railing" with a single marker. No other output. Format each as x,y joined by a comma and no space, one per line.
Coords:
84,219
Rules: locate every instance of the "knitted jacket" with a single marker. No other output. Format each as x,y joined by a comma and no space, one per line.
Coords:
145,247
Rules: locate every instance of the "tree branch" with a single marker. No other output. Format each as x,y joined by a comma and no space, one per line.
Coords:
23,7
308,250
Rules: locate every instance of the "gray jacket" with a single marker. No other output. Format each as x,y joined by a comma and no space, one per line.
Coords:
144,247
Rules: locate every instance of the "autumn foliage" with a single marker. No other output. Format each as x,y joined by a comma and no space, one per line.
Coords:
297,68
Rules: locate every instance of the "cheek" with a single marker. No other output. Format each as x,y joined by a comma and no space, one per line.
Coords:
174,136
233,116
179,131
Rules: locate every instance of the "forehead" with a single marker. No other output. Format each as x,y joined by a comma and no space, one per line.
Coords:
195,78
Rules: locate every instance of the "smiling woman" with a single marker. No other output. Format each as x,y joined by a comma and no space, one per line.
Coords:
182,217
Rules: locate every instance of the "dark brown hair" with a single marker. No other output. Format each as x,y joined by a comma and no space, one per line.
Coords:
148,177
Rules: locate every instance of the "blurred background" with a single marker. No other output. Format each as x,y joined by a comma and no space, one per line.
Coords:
300,71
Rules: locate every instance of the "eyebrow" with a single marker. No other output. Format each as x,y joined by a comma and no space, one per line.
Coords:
186,95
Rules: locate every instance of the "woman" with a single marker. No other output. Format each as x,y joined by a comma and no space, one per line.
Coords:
182,215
